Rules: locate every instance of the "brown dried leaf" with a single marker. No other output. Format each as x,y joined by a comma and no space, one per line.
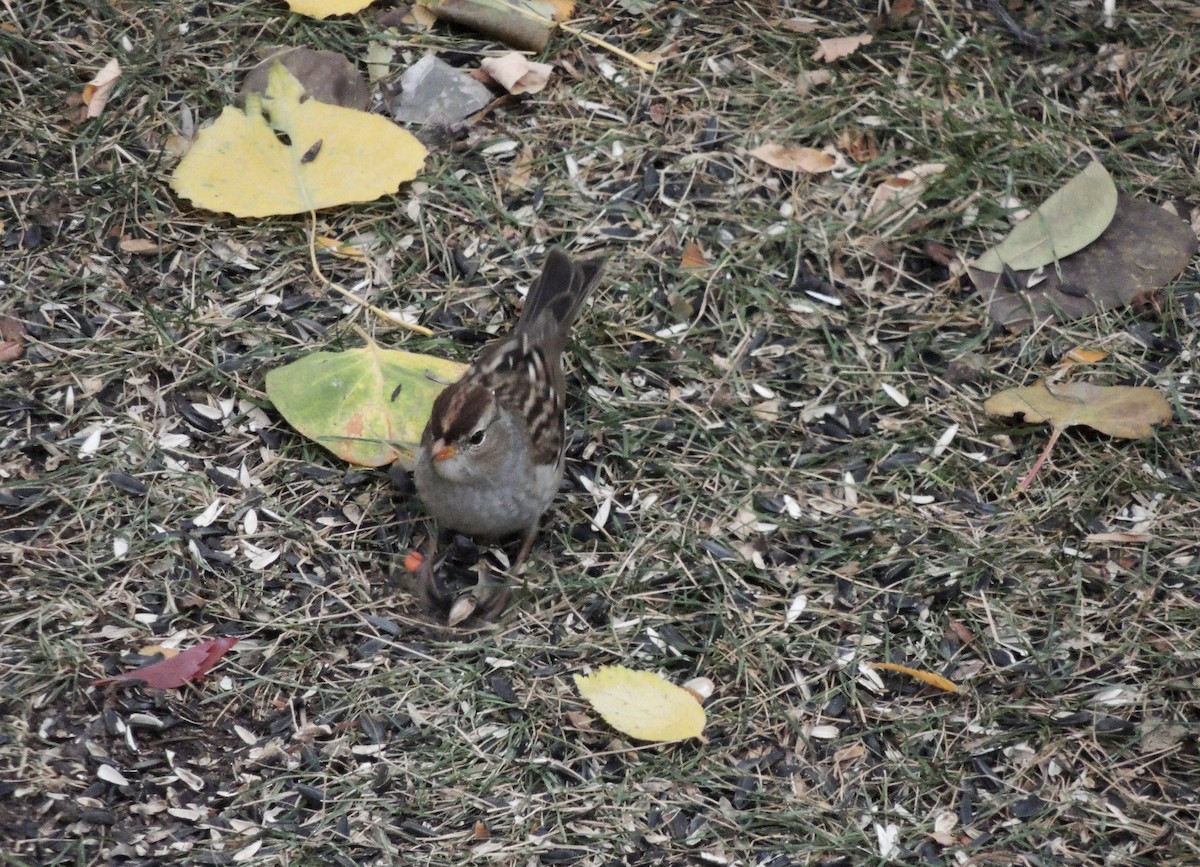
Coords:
693,257
519,174
516,73
894,17
829,50
858,144
903,190
1117,538
1144,248
800,25
97,91
326,76
1085,355
12,339
139,246
793,158
499,21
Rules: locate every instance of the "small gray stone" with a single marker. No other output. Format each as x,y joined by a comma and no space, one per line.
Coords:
434,92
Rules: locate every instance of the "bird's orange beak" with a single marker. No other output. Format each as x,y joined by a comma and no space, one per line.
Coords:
444,453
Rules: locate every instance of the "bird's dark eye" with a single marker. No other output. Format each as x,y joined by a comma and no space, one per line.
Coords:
476,438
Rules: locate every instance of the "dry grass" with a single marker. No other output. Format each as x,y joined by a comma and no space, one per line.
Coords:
750,459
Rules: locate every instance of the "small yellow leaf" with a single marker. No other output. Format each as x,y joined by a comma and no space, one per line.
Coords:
339,248
642,704
924,676
1084,355
335,155
327,8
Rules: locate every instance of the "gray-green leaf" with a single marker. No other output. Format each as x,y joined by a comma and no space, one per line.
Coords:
1065,223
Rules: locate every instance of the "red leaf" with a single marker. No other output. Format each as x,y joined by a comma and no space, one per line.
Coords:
174,672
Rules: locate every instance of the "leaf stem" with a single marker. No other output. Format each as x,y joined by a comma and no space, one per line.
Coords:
1024,484
549,23
346,293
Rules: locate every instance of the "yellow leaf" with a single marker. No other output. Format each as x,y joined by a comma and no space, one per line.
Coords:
1122,411
641,704
140,246
924,676
336,155
327,8
1084,355
420,17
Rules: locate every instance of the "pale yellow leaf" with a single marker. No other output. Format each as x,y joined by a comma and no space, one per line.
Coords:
327,8
420,17
642,704
366,405
1129,412
336,156
379,59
